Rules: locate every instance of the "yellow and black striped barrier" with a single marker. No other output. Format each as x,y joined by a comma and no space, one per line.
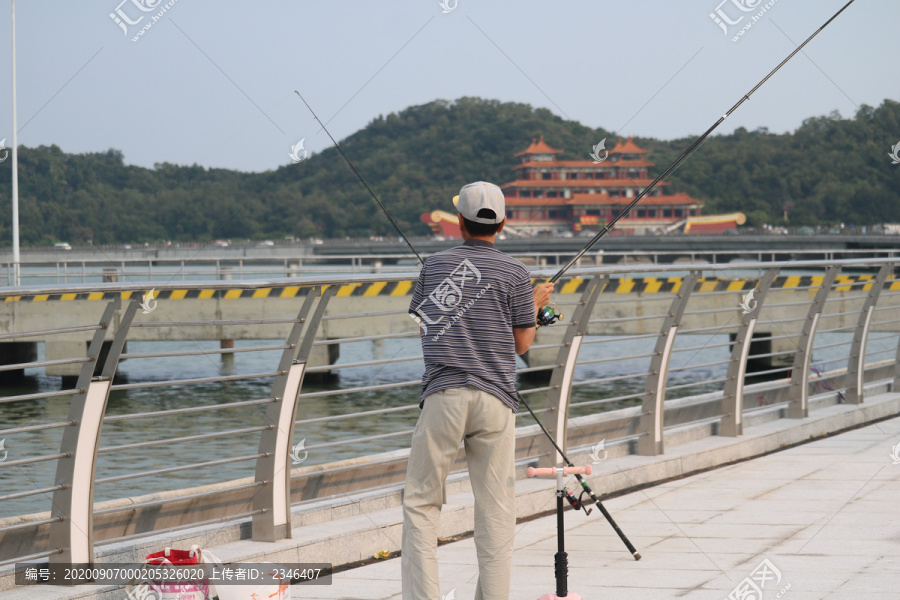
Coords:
574,285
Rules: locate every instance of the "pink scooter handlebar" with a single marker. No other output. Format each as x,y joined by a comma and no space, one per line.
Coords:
551,472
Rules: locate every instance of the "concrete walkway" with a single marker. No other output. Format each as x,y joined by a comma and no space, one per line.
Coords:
825,515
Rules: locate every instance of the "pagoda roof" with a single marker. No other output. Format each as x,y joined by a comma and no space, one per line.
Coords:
674,199
538,147
629,147
572,164
605,200
579,183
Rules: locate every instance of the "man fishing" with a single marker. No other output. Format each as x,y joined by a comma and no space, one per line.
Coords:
476,310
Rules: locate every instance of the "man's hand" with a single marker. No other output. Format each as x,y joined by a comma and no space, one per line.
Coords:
542,295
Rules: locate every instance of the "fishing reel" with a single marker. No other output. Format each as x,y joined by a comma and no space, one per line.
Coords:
549,315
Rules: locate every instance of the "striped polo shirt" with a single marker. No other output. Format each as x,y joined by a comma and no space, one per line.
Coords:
467,300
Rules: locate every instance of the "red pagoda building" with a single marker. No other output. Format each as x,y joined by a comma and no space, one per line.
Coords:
552,196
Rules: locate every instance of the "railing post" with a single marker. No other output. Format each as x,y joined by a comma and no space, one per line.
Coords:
273,470
732,423
561,378
74,504
856,367
798,407
651,424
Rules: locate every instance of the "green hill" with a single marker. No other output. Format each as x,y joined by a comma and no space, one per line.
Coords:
829,170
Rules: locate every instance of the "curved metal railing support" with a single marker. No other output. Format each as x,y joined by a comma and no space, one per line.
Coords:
732,423
73,505
561,379
651,425
798,406
856,365
272,470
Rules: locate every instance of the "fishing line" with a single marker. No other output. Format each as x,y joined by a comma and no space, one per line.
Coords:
361,180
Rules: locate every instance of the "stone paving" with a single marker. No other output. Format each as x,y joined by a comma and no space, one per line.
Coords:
824,514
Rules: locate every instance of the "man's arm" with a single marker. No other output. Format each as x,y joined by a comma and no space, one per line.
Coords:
524,336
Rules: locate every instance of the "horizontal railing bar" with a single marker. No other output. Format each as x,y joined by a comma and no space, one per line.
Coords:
45,363
365,338
824,316
361,439
889,321
46,332
210,463
783,304
34,459
130,507
41,395
536,411
203,352
700,366
777,321
188,438
594,361
28,524
769,338
641,318
545,346
877,352
835,345
538,368
606,400
41,427
192,409
216,379
621,338
610,379
842,360
617,299
384,386
859,297
216,322
770,354
155,532
707,347
847,328
770,371
374,313
716,328
711,311
537,390
365,363
35,492
882,336
366,413
695,384
29,557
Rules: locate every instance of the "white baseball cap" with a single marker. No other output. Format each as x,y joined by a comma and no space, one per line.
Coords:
477,196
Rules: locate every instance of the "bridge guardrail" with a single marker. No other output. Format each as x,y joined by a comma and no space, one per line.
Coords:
676,354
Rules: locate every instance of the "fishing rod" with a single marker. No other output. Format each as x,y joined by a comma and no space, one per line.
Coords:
584,485
361,180
547,314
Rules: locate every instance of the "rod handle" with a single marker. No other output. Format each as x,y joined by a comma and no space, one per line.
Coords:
551,472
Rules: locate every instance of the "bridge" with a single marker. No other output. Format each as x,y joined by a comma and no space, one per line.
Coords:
654,366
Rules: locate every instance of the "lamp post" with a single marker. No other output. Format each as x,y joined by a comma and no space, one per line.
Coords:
15,160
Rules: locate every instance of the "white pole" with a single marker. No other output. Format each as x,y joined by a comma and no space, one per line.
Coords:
15,159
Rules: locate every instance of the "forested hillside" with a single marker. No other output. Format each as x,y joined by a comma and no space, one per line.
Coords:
830,170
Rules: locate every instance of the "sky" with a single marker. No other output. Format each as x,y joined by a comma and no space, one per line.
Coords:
213,83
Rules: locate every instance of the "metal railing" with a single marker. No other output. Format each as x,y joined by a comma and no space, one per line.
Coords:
155,438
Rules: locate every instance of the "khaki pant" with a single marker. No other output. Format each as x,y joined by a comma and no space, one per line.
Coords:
487,426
